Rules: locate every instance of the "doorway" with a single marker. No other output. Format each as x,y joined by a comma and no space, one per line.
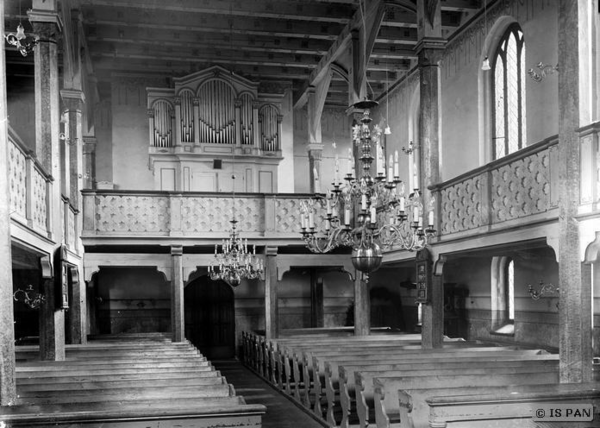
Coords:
210,317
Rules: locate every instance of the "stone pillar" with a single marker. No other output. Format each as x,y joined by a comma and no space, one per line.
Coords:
362,306
271,280
574,314
177,312
8,390
316,299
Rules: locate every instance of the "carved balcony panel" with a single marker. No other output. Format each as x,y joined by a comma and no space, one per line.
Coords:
201,217
462,205
132,213
288,215
28,186
513,190
39,200
521,188
17,180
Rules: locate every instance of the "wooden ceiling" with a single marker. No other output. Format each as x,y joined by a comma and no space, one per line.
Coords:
279,41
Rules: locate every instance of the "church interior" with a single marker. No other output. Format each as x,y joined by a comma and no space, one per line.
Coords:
388,211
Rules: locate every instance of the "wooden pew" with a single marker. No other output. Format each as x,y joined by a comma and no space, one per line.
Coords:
388,386
330,381
301,366
124,382
340,391
512,407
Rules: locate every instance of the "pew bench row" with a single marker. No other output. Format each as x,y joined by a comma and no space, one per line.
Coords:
355,381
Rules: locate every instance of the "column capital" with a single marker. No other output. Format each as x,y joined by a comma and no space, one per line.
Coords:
72,99
40,19
176,250
315,148
431,48
271,251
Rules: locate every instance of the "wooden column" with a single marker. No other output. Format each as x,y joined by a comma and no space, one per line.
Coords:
316,299
77,309
271,309
51,319
574,314
8,390
429,50
177,312
46,24
362,306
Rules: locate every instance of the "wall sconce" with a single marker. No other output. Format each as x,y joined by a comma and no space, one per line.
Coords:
411,148
544,70
544,289
30,297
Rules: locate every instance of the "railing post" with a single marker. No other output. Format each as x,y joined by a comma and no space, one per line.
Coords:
89,212
30,171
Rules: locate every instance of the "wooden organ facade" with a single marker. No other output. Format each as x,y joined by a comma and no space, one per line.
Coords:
210,125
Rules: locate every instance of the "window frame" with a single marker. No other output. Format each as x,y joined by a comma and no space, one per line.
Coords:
513,30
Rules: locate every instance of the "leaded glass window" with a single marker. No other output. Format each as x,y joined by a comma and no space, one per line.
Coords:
509,93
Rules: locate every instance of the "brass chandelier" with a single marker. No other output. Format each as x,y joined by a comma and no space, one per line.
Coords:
233,261
386,218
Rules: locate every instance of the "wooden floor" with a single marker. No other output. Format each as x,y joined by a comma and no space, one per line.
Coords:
281,412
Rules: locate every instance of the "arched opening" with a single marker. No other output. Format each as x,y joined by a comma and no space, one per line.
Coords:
210,317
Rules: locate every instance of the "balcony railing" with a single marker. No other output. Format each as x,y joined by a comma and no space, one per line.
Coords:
519,188
29,187
30,196
190,215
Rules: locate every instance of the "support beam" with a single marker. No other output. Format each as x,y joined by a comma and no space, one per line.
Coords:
574,314
372,18
316,299
271,309
177,310
362,306
8,389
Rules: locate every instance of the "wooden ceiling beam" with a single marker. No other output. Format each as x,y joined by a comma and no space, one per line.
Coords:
297,11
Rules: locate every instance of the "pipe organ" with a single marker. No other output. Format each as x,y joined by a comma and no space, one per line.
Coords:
208,115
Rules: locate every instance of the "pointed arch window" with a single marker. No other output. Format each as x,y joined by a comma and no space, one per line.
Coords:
508,89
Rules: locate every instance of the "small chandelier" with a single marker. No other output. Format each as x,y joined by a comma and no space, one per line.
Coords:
234,262
29,297
386,218
20,40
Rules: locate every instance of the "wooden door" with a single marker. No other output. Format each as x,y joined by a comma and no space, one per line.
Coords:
210,317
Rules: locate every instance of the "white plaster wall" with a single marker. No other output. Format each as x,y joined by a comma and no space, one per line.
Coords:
130,137
462,81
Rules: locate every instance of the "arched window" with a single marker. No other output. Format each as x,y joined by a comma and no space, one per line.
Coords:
508,89
503,295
